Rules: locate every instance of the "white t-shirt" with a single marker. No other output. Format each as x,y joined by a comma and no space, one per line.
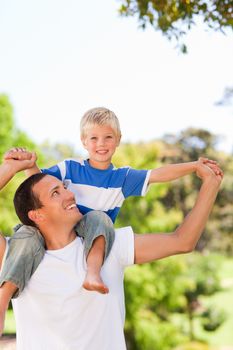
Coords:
54,312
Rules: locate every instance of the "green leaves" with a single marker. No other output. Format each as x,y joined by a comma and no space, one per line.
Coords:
174,18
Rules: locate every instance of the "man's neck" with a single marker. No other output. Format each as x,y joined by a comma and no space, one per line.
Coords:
58,239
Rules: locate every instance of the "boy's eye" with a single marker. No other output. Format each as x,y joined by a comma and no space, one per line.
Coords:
93,138
109,137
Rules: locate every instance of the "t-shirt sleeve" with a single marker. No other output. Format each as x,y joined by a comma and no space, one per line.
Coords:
124,246
58,170
136,182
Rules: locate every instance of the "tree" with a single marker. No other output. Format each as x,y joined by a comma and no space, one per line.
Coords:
175,17
188,146
164,298
6,124
10,136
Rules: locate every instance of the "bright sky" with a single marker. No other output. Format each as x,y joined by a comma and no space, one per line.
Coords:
61,57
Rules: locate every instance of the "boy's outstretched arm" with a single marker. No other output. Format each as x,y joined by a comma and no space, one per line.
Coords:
174,171
20,153
149,247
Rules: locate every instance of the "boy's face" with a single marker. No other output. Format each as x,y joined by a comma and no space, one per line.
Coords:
100,141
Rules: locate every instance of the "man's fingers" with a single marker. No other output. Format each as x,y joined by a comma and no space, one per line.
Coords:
18,155
216,169
207,160
33,157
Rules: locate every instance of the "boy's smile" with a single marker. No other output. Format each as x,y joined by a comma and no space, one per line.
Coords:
100,141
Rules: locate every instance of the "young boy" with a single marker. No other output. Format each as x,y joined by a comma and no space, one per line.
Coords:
95,182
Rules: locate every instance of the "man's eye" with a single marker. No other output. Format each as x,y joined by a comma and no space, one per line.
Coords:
55,193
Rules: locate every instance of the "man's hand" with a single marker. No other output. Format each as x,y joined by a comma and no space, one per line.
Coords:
212,164
19,159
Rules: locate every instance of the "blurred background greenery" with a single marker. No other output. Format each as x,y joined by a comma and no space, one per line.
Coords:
183,302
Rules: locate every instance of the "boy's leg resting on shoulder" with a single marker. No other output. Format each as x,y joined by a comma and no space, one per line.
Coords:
24,254
95,259
98,232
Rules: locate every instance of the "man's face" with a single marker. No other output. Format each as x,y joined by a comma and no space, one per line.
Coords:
58,203
100,141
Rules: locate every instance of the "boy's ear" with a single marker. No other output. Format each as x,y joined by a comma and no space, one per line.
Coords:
83,139
119,140
35,216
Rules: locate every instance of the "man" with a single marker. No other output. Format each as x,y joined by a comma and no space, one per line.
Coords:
54,311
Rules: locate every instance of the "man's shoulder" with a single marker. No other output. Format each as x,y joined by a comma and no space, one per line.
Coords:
123,246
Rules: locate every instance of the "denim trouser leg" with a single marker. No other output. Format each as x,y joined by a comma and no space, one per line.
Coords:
94,224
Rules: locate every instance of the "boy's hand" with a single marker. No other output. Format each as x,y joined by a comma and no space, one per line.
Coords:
212,164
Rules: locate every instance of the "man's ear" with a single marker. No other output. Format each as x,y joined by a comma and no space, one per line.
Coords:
35,216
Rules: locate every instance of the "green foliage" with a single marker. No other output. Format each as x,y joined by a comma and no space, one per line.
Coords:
6,124
212,319
10,137
55,153
135,209
187,146
156,292
174,18
152,291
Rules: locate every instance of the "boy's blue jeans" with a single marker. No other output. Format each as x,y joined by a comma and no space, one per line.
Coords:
27,247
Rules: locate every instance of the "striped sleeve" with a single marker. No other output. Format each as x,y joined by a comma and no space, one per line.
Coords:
58,170
136,183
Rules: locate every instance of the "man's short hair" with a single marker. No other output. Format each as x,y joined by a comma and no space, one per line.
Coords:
99,116
25,199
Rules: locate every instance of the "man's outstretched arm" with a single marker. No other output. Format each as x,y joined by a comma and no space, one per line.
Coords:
149,247
8,169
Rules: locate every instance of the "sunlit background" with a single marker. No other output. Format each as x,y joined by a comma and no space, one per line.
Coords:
59,58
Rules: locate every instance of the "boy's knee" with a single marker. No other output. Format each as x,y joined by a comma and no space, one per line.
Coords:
99,216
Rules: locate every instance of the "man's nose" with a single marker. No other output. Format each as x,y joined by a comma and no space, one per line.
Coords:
69,195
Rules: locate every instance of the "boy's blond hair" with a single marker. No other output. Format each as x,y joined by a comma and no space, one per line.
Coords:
99,116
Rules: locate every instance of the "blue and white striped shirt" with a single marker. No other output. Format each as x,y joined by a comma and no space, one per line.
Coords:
96,189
